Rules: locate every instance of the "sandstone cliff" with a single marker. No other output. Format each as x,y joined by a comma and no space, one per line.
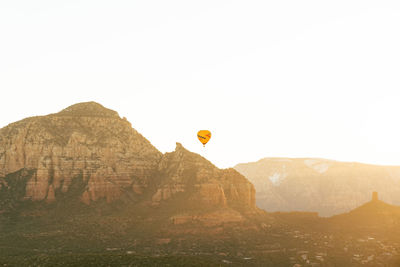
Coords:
184,171
100,155
84,140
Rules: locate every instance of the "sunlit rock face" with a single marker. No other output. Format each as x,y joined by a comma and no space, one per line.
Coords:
89,150
325,186
84,141
184,171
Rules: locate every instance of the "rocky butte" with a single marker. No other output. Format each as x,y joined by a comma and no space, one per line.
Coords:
372,217
89,150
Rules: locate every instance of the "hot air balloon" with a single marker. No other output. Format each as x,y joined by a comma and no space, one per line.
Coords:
204,136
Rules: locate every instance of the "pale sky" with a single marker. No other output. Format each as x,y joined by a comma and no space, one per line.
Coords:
267,78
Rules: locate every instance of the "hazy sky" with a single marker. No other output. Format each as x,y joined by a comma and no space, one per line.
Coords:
268,78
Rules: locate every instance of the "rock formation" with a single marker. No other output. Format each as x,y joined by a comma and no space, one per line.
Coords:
91,149
372,217
84,140
184,171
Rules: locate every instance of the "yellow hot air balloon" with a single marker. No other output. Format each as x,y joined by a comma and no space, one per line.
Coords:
204,136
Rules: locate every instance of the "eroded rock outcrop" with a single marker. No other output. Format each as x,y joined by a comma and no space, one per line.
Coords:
184,171
85,141
90,153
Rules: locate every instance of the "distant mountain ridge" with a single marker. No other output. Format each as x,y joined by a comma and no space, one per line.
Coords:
318,185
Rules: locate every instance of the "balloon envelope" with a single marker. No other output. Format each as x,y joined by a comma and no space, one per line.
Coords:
204,136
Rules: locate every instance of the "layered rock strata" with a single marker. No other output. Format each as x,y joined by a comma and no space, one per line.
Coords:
90,150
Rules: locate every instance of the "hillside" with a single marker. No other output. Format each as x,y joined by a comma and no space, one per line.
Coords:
374,217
